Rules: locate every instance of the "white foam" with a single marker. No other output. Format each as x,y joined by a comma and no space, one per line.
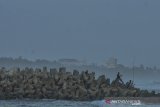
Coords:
120,103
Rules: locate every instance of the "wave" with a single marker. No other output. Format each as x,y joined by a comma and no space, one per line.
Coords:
142,102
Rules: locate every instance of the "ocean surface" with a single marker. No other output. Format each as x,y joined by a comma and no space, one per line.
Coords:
60,103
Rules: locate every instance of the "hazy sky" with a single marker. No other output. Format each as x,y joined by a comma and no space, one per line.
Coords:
84,29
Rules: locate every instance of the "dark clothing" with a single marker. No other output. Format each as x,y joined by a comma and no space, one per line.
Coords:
119,78
130,84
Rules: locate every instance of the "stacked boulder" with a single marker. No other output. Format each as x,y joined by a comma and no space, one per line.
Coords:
60,84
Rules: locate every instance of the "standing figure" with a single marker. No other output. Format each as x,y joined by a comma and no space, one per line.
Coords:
119,78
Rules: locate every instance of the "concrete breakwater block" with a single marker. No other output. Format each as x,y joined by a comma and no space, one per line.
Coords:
60,84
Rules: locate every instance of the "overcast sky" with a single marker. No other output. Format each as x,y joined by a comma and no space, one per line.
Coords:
93,30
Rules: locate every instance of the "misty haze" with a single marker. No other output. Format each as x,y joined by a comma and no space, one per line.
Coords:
105,37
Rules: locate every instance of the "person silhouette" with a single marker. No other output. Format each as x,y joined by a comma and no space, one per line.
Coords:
119,78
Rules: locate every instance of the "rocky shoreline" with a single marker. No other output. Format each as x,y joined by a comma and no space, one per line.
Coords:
59,84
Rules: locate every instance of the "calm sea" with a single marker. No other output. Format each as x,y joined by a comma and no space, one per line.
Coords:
58,103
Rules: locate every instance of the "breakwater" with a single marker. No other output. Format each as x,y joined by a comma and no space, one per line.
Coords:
59,84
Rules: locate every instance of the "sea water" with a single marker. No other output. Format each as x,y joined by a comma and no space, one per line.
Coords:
60,103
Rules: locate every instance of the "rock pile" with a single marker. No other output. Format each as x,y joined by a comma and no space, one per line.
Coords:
59,84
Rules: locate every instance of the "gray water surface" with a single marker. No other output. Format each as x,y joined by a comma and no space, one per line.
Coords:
61,103
43,103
